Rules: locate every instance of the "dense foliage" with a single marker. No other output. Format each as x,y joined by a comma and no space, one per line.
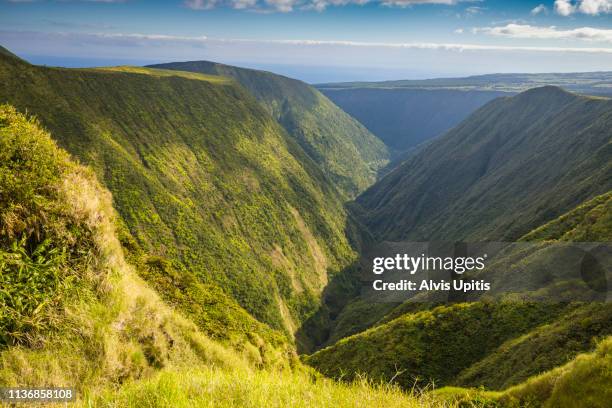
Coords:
512,166
341,146
203,178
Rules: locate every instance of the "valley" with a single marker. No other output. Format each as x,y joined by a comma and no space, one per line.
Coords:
193,233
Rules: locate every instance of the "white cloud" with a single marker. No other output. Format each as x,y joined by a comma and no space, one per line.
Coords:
459,31
541,9
549,33
473,10
140,40
590,7
595,7
200,4
564,7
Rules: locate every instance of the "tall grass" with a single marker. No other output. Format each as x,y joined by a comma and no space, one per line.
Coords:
247,388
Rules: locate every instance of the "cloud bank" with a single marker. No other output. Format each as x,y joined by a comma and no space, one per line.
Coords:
590,7
548,33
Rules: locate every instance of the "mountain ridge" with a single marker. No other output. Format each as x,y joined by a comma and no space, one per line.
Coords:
346,151
496,156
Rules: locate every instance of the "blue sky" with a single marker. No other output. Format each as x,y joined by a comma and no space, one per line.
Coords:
318,40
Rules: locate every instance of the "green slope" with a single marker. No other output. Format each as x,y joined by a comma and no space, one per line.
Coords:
432,345
343,148
506,342
217,197
513,165
589,222
583,382
73,313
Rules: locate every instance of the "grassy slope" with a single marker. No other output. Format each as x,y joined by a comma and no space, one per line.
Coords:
406,338
404,118
589,222
526,155
345,150
74,313
583,382
211,188
431,345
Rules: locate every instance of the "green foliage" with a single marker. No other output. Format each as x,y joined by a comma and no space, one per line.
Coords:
430,346
512,166
346,152
242,388
541,349
584,381
43,249
589,222
30,281
203,177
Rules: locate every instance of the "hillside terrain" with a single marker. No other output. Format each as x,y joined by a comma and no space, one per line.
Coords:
74,313
346,151
167,238
527,155
222,209
495,344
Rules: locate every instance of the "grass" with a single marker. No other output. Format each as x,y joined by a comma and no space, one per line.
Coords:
219,388
430,346
584,381
215,79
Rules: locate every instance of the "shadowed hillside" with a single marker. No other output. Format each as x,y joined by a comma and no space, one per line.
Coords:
513,165
404,118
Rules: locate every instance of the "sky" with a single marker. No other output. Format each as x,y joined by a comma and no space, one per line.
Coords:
318,40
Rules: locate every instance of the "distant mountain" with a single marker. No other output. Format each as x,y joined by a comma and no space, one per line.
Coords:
591,83
403,118
408,112
223,212
346,151
513,165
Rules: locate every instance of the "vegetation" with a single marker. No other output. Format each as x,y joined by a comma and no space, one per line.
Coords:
346,152
111,336
230,245
589,222
509,168
222,388
430,346
72,312
218,200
